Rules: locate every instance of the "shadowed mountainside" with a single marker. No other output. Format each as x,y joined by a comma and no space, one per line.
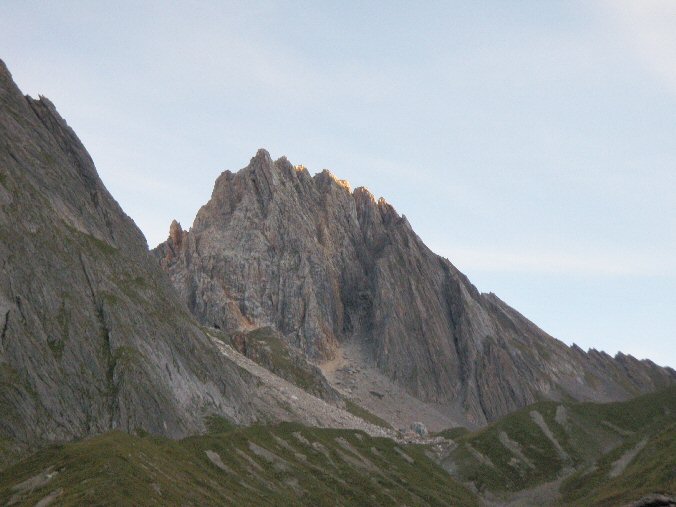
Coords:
93,337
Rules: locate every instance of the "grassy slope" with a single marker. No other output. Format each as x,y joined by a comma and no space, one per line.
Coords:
589,433
278,358
295,465
299,465
360,411
653,470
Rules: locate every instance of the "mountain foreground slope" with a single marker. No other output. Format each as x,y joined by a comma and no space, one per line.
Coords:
548,454
280,465
571,453
334,269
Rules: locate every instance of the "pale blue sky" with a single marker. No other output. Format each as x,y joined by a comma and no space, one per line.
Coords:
532,143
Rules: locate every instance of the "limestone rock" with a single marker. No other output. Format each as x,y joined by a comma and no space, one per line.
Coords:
419,429
324,265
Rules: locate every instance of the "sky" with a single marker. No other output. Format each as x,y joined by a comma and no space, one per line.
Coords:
532,143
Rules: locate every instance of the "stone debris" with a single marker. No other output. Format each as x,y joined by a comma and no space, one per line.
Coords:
626,458
31,484
215,458
419,428
302,404
561,417
514,447
480,457
542,424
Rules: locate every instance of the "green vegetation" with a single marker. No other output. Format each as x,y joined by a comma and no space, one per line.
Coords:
581,441
10,452
275,355
216,424
288,464
48,158
87,240
359,411
511,454
606,454
135,288
56,346
267,348
63,318
127,355
101,245
452,433
652,470
8,375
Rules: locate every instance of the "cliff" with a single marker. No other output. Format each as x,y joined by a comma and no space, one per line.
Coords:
325,266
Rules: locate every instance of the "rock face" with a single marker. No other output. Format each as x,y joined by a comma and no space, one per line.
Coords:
92,335
323,264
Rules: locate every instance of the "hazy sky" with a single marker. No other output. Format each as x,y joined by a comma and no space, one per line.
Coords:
533,143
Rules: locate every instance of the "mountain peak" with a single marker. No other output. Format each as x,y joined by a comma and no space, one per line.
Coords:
5,74
328,176
327,266
176,232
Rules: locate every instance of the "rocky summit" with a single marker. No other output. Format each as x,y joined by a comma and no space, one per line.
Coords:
330,268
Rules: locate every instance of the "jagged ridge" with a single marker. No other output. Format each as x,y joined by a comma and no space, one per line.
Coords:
278,247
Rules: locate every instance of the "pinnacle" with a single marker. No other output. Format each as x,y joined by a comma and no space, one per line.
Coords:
262,155
175,232
326,174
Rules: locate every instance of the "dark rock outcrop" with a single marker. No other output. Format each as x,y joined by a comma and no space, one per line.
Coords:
419,429
656,500
323,264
